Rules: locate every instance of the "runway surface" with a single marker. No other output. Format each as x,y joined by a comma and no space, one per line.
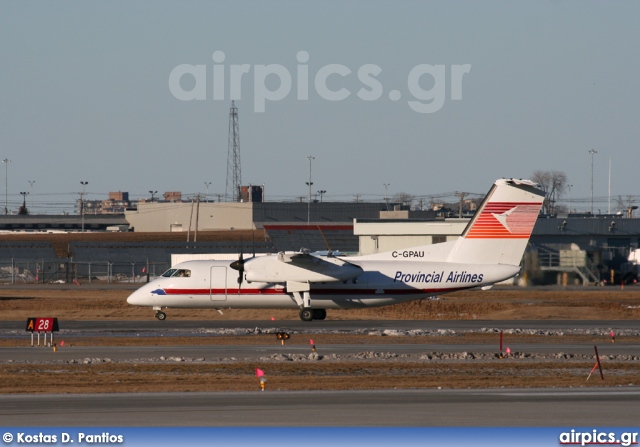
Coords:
425,408
75,330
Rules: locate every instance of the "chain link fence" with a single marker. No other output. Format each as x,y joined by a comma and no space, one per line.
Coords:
54,271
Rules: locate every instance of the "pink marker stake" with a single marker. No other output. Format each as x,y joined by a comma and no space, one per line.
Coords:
592,370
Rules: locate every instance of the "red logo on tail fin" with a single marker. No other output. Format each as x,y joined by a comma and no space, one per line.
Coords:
505,220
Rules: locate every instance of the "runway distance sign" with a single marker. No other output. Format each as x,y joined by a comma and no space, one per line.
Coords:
42,325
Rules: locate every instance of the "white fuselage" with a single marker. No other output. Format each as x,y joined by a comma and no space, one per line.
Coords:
213,284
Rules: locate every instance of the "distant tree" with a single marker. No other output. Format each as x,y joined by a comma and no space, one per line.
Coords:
625,207
619,204
403,198
553,184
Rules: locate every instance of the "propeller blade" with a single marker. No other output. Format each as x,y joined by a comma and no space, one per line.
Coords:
239,266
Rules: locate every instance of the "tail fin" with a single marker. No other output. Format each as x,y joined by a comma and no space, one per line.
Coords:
500,229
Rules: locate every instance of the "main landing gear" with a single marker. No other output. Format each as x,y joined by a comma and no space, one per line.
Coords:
308,314
300,294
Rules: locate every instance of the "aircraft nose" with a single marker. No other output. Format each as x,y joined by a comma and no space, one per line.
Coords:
135,299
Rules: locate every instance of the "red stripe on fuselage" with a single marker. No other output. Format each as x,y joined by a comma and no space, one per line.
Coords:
407,291
222,291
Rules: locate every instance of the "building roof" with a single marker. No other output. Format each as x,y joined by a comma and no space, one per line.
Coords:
293,237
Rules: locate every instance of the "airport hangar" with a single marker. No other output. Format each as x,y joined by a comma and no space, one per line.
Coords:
566,249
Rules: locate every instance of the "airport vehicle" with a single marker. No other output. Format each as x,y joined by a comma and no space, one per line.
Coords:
489,251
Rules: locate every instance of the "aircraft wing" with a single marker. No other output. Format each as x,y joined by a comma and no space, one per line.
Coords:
299,267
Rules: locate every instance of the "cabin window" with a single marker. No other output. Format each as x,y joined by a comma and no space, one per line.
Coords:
177,273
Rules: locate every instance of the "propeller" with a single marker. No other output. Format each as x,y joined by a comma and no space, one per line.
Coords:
239,266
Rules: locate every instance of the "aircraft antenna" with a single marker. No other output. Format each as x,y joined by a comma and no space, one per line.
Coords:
234,175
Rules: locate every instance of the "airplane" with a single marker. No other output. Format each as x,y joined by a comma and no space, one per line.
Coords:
489,251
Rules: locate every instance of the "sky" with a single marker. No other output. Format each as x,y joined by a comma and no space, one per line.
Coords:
428,97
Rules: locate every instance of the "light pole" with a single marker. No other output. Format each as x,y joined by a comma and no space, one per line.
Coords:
6,162
386,197
206,197
321,192
152,194
31,182
592,151
310,158
84,184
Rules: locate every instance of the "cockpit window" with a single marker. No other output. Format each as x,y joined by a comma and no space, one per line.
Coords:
177,273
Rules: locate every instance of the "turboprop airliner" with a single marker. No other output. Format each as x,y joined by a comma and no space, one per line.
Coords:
489,251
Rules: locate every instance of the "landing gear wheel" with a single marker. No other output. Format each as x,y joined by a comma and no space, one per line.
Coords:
306,314
161,315
319,314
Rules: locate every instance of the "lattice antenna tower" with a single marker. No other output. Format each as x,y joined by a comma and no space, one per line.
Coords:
234,172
